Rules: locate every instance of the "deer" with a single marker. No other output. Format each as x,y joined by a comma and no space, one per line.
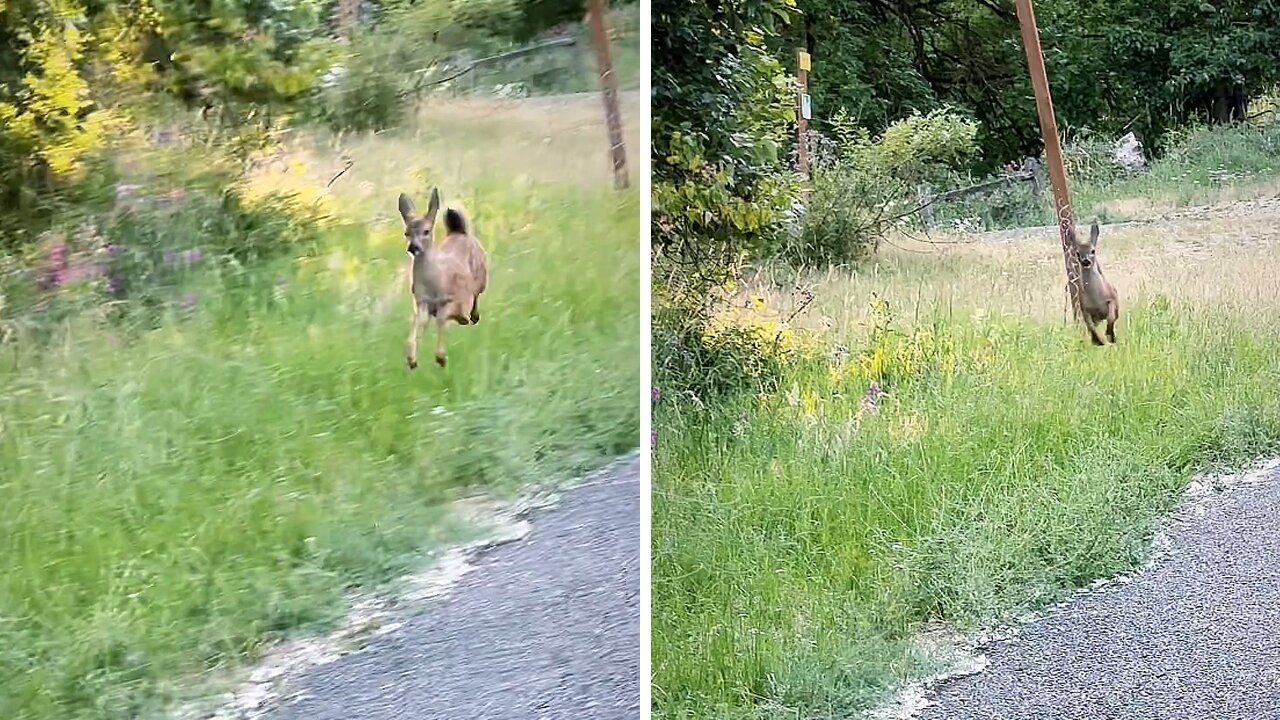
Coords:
1098,297
445,280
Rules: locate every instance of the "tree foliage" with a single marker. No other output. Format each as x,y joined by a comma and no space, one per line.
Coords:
722,110
74,74
723,107
1113,66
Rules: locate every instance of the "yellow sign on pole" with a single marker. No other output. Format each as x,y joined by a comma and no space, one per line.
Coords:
804,61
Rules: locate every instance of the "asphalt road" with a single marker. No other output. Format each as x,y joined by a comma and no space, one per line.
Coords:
1196,637
546,628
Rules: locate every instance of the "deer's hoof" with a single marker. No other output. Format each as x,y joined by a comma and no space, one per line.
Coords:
440,360
413,364
475,318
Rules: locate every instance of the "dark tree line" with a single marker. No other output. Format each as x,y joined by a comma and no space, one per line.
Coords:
1114,66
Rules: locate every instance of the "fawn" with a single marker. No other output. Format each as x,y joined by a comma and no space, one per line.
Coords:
446,279
1098,297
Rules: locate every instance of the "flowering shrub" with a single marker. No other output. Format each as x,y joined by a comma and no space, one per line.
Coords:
867,185
893,357
147,256
738,350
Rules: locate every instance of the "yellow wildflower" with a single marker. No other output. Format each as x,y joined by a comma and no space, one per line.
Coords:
809,403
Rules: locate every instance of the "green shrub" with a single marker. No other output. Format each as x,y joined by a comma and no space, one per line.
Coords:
1091,159
146,258
491,17
844,217
370,89
871,183
918,148
706,362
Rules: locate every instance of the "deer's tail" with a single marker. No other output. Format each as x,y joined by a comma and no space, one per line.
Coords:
455,222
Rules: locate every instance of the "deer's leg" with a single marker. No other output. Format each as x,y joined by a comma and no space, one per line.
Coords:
1113,312
1093,331
415,326
464,311
442,319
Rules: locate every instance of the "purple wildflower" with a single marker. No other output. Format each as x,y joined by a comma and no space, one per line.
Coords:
192,256
655,394
115,285
189,301
114,250
170,258
653,438
57,274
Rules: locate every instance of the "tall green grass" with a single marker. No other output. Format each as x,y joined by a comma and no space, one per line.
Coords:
175,497
800,540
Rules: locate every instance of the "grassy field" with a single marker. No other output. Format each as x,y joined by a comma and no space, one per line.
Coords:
175,497
803,537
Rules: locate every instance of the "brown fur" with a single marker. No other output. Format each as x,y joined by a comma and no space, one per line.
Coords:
1098,297
445,280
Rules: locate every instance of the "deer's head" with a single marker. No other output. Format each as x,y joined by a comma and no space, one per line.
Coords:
418,229
1087,252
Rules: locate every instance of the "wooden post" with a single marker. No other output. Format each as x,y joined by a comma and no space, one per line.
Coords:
1052,145
609,91
803,109
924,198
348,16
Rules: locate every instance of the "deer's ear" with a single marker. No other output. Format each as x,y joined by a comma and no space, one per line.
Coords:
406,208
1093,235
433,206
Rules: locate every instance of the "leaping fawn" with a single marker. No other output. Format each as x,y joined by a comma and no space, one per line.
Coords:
1098,297
446,279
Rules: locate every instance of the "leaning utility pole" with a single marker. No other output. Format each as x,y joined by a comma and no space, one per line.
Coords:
609,91
1052,146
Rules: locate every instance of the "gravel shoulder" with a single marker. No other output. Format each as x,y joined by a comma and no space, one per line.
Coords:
546,627
1194,637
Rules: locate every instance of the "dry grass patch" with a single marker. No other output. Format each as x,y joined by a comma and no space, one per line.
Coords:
1225,263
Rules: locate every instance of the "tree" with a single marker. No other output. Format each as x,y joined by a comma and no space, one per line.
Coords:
722,115
1113,66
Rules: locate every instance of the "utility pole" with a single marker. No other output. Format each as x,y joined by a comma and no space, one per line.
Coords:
609,91
347,15
804,111
1052,145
